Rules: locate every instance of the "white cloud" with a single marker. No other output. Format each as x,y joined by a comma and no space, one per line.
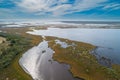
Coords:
112,6
58,7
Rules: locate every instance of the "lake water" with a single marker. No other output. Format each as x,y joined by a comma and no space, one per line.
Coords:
108,40
38,61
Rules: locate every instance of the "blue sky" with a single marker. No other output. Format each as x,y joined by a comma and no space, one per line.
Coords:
60,9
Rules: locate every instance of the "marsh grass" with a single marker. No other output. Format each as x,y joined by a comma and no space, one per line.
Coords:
82,63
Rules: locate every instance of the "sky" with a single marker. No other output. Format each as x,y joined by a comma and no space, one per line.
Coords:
60,9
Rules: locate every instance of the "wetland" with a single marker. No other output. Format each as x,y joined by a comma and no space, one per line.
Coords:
60,53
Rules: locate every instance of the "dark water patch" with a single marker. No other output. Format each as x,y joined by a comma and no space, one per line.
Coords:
101,59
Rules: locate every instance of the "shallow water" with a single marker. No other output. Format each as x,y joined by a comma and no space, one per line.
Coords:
107,40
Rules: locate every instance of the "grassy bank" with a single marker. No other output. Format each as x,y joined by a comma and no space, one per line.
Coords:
82,63
13,71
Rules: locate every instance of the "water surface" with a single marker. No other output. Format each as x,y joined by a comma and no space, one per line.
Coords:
39,64
107,40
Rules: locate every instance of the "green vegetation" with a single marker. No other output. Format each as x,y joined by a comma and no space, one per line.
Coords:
16,45
82,63
17,37
13,71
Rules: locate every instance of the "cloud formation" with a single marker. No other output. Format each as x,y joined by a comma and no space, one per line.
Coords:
58,7
112,6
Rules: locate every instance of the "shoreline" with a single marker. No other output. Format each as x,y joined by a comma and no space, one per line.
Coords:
15,66
78,67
